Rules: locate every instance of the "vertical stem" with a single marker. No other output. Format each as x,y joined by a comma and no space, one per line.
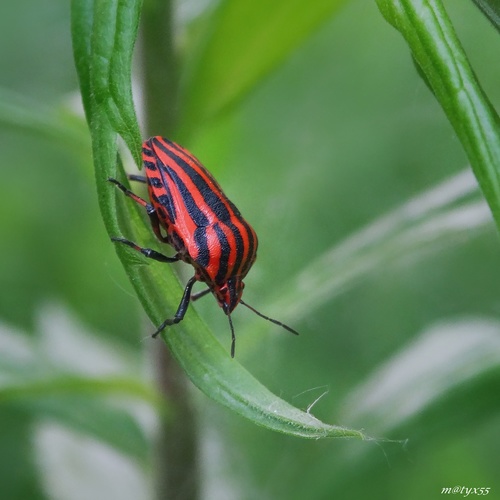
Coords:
159,65
177,470
177,467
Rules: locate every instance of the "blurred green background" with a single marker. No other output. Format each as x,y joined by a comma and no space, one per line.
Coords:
333,138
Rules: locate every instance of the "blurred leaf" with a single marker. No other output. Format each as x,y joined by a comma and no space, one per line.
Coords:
19,477
205,361
78,403
441,216
491,9
438,385
35,378
61,126
436,48
246,41
446,357
93,416
74,466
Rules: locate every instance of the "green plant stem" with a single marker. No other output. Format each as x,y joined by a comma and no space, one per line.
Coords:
159,65
177,466
178,475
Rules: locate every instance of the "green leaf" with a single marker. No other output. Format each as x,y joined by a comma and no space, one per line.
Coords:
247,39
202,357
104,37
437,50
205,361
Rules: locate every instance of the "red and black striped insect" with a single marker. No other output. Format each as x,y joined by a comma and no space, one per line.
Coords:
200,222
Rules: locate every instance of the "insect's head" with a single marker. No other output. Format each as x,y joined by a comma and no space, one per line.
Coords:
229,294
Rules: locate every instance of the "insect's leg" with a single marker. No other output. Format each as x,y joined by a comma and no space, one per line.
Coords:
148,252
130,194
181,310
153,216
137,178
155,224
199,295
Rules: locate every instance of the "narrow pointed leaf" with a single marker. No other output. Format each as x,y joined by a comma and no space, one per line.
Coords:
435,47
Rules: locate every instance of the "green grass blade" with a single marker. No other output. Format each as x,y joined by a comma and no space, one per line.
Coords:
428,31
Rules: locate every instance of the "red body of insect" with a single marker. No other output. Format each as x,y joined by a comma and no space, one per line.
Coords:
205,228
200,222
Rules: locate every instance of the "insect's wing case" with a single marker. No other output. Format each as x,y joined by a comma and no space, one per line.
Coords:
196,213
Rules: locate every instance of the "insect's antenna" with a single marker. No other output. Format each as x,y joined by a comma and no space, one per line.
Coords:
275,321
233,337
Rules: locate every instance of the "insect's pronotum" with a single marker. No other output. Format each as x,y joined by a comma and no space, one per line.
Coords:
189,211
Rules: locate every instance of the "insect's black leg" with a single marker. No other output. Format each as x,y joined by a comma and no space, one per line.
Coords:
137,178
130,194
199,295
181,310
153,216
148,252
155,224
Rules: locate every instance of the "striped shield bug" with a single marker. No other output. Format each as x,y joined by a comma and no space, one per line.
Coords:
189,211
